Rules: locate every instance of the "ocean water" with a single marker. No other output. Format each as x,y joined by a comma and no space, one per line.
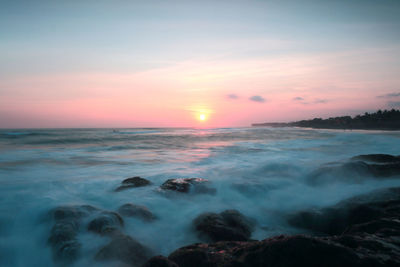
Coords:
265,173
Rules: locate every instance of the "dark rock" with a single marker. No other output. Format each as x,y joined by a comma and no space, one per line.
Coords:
385,170
63,241
361,209
186,185
365,231
378,158
133,182
277,251
227,225
138,211
354,172
160,261
125,249
106,223
63,236
75,212
358,169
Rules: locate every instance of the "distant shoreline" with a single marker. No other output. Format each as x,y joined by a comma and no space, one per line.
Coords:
380,120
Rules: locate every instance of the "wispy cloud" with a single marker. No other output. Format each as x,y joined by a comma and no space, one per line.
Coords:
390,95
257,98
303,101
394,104
320,101
232,96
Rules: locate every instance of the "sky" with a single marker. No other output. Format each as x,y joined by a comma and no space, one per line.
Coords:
227,63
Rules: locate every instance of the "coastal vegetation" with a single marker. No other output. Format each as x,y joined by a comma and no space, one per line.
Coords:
380,120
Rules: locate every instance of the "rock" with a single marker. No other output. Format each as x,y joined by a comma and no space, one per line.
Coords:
227,225
357,210
106,223
377,158
133,182
138,211
63,241
278,251
125,249
160,261
63,235
358,169
385,170
186,185
354,172
74,212
364,231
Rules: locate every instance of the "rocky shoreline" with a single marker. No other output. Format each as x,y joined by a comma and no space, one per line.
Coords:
359,231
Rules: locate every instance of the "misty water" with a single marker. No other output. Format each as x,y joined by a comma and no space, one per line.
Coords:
265,173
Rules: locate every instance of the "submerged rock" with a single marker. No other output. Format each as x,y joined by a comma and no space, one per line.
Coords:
133,182
278,251
377,158
160,261
384,203
229,225
125,249
186,185
74,212
354,172
359,168
138,211
63,235
363,231
106,223
63,241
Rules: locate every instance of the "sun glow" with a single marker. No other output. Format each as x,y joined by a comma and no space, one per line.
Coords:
202,117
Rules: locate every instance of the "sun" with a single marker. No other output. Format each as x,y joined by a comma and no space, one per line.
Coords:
202,117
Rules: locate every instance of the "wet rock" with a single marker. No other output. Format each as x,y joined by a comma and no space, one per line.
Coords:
63,241
138,211
377,158
106,223
358,169
160,261
357,210
125,249
133,182
277,251
354,172
385,170
74,212
227,225
63,235
186,185
364,231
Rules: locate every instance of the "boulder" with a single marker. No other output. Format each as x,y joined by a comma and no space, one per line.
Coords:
349,172
133,182
186,185
160,261
65,246
278,251
63,235
138,211
358,169
384,203
74,212
377,158
106,222
227,225
359,231
125,249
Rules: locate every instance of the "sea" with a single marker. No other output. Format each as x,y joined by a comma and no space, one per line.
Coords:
264,173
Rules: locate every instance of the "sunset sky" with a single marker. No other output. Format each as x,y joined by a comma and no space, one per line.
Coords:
166,63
